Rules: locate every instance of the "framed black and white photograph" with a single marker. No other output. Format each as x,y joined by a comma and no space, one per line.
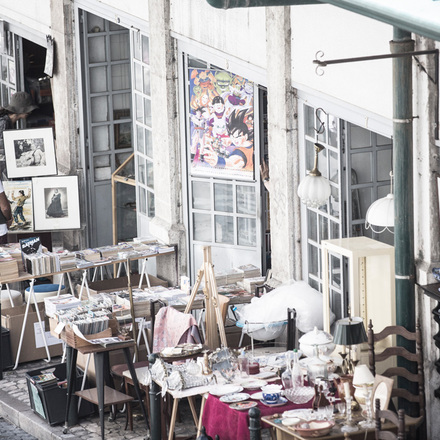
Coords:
58,206
30,152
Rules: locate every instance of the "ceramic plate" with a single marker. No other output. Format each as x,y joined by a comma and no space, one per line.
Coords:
233,398
265,375
243,406
290,421
222,390
281,401
257,396
254,384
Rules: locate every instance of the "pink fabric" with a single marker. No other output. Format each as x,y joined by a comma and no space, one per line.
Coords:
172,328
230,424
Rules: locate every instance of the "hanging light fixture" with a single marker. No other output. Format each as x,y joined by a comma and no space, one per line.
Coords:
314,190
380,214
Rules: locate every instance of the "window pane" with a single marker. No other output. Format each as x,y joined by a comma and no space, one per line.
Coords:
333,131
246,203
149,143
136,47
120,76
247,231
96,49
119,47
151,206
360,137
141,174
95,23
100,138
98,79
122,104
123,135
312,225
334,230
138,77
334,202
120,158
201,195
147,89
139,108
145,49
361,170
140,139
309,115
202,227
224,229
335,271
310,156
99,107
323,228
313,260
142,200
150,174
223,197
382,140
384,165
334,167
147,112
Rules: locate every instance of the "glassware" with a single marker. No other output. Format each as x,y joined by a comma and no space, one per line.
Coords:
369,423
297,375
349,425
286,376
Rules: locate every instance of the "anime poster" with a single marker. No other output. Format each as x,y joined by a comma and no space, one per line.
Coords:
221,117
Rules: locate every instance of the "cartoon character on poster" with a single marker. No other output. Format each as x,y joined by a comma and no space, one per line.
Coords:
221,124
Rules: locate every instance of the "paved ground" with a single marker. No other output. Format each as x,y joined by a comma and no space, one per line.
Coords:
11,432
19,422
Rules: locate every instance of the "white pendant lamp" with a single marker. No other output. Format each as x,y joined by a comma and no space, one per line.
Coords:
314,190
380,214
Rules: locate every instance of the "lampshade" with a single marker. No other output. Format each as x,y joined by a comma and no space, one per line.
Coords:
380,215
350,331
314,190
362,375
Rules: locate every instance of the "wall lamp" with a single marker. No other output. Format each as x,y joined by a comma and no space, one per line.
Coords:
314,190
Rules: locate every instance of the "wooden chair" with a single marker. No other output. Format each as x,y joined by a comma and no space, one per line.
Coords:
390,416
414,392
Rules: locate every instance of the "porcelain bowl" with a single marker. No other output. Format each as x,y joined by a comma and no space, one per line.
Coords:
314,428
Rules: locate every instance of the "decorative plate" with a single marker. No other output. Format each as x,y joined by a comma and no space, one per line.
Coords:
265,375
233,398
257,396
254,384
281,401
243,406
222,390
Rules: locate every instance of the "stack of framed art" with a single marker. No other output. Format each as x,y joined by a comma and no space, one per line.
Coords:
38,202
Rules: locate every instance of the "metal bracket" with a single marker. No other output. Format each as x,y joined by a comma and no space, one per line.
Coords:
323,63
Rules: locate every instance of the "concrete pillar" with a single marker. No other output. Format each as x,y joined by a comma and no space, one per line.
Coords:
167,225
426,220
65,103
283,148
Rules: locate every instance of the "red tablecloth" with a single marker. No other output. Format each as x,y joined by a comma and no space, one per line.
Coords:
230,424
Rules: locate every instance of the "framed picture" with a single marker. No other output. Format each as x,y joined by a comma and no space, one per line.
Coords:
30,152
382,388
19,194
58,206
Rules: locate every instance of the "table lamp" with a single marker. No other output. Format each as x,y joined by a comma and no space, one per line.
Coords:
348,332
363,378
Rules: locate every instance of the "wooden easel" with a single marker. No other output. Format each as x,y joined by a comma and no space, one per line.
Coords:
213,316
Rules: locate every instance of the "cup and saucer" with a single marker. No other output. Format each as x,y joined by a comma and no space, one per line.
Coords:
272,396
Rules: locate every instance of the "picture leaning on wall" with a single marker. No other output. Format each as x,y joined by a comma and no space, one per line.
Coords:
19,194
59,206
30,152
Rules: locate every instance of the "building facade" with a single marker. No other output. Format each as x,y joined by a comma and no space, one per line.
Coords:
202,97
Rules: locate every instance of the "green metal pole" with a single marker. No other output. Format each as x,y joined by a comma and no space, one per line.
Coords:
403,199
403,178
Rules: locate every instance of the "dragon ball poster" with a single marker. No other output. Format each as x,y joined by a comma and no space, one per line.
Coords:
221,116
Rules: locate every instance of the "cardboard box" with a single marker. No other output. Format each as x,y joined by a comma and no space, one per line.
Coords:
33,346
120,283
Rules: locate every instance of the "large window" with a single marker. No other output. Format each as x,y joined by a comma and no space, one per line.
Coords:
222,163
357,163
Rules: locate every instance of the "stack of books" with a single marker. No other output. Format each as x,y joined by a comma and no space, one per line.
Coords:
249,284
44,379
41,263
250,271
63,302
89,255
229,276
8,266
67,260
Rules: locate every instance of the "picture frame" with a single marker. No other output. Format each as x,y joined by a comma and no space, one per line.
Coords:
19,194
122,129
30,152
382,388
58,206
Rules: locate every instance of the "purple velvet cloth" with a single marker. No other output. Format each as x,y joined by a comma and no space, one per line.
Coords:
230,424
